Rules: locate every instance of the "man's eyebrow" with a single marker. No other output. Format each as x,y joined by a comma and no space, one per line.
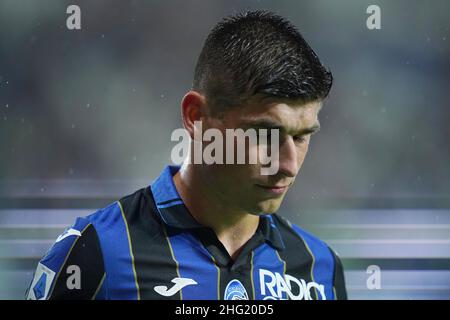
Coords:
269,124
262,124
313,129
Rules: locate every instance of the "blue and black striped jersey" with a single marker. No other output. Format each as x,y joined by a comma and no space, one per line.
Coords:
148,246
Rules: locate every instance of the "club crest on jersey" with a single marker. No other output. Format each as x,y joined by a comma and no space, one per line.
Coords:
235,291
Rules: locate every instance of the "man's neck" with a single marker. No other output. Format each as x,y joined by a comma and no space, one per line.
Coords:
233,227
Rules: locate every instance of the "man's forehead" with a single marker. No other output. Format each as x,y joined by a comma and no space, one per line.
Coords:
259,99
285,113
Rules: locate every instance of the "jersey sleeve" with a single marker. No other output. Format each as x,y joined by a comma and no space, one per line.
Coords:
339,279
72,268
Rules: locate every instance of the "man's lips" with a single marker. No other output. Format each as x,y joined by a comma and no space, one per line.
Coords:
277,189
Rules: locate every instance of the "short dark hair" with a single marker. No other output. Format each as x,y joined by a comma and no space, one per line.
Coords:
258,53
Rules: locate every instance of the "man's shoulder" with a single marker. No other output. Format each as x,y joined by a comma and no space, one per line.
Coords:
92,244
129,207
76,250
311,241
326,266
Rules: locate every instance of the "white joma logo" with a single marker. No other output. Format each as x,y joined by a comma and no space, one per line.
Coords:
180,283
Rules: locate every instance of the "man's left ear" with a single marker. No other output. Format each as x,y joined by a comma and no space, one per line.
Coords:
193,108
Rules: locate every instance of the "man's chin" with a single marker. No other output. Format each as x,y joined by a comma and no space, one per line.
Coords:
267,207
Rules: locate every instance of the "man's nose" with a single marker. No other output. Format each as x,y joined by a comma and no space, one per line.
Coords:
288,157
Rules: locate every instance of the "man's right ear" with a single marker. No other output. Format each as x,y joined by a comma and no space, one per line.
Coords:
193,108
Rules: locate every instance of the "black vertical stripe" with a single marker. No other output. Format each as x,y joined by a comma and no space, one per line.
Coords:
296,255
87,256
244,274
338,278
239,269
153,259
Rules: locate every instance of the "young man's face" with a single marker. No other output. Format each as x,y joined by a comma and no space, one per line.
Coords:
242,186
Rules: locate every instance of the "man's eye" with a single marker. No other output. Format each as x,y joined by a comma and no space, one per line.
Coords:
299,139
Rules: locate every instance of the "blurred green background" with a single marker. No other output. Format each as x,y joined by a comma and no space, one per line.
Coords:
86,117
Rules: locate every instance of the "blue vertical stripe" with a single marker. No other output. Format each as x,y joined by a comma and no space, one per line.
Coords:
114,242
265,257
58,253
323,268
195,263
